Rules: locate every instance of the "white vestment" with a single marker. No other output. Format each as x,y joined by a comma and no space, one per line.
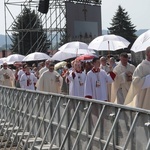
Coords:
42,70
76,84
6,81
50,82
28,78
20,73
106,68
139,92
120,86
99,92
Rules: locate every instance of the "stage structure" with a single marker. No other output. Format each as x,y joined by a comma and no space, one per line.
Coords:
64,21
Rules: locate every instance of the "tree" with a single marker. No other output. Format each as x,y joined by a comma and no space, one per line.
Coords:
28,35
121,25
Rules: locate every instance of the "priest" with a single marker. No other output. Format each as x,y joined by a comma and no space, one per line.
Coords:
139,92
45,68
122,81
6,76
50,81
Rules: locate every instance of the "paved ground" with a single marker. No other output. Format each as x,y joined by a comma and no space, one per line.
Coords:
2,144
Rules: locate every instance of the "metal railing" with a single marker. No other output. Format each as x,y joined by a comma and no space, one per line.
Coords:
37,120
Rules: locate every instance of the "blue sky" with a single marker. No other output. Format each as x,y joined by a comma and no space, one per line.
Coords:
138,11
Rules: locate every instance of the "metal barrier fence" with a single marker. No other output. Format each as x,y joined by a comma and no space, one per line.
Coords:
35,120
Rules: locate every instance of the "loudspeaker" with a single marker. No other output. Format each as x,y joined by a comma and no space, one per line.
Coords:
43,6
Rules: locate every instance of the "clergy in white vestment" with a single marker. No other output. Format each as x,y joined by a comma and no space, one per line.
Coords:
50,81
43,69
28,79
112,63
122,81
6,76
106,67
139,92
76,79
96,82
65,85
19,74
69,70
103,64
47,62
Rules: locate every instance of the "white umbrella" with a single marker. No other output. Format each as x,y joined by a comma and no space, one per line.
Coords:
11,59
60,55
36,56
109,43
142,42
76,47
2,60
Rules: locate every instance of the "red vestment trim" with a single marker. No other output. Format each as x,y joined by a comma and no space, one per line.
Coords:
112,74
88,96
27,73
78,71
94,70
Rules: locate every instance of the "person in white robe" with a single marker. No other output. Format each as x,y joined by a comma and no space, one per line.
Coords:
139,92
112,63
76,79
103,64
87,66
20,72
6,76
65,85
50,81
43,69
107,68
28,79
122,81
96,82
47,62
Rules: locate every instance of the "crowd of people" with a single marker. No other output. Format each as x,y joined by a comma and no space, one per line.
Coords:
101,79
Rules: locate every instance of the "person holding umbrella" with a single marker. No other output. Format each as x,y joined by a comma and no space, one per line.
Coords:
139,92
